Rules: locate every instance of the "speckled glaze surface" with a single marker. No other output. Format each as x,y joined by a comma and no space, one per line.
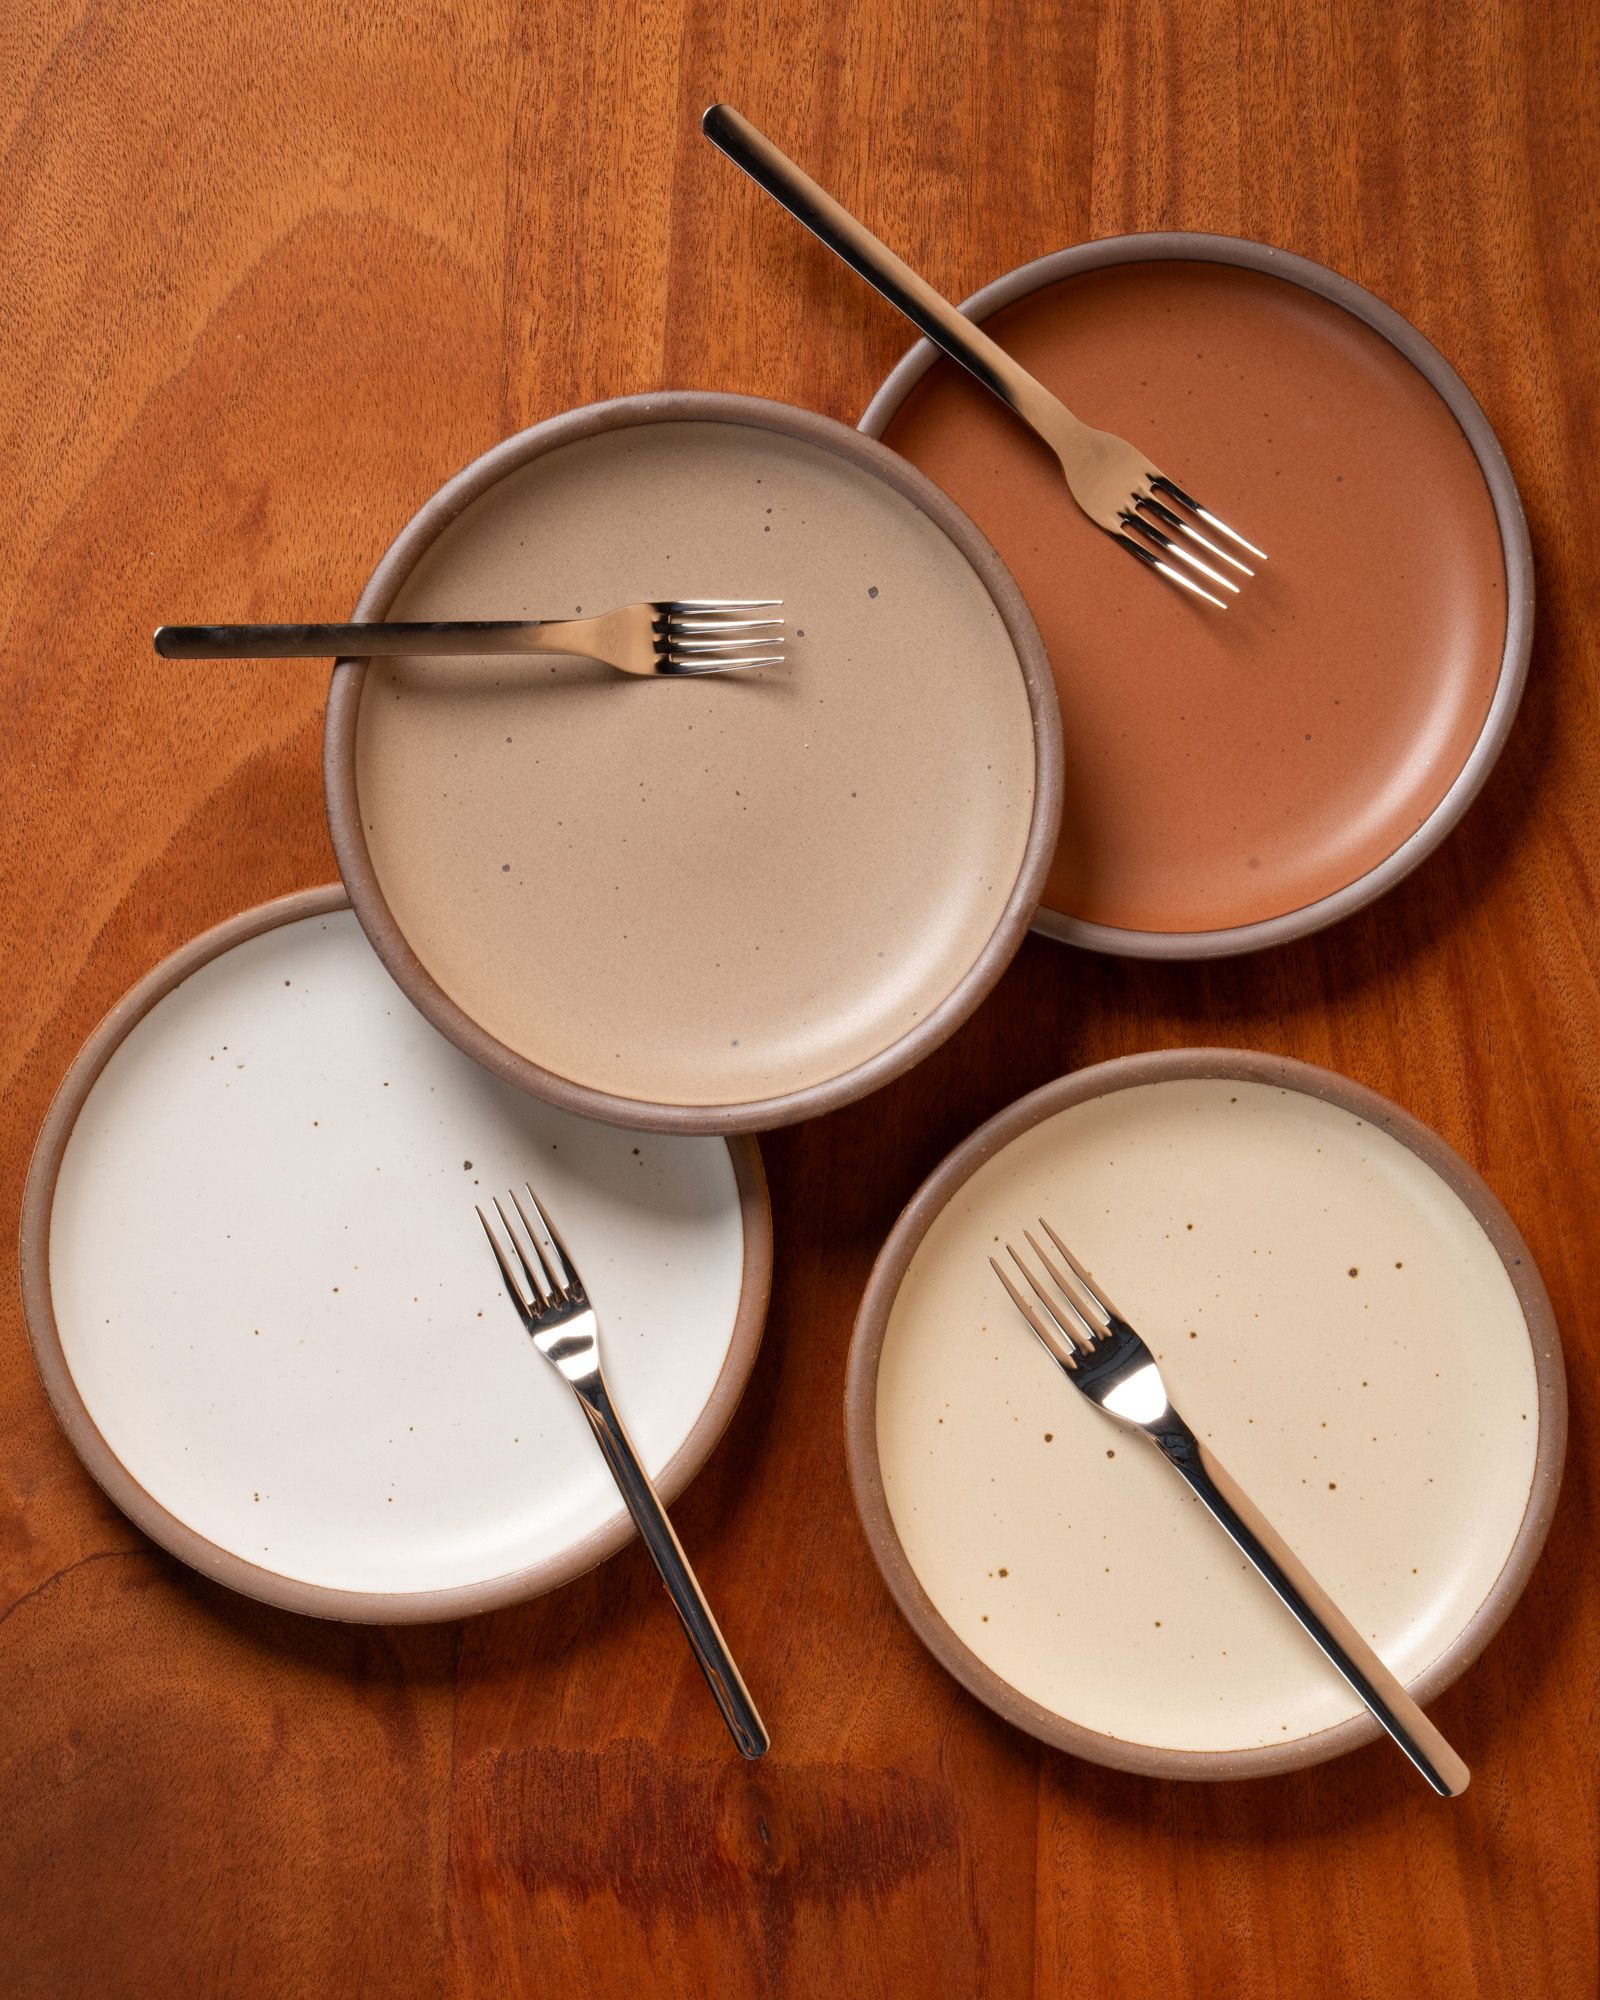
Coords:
264,1312
1234,780
714,904
1339,1306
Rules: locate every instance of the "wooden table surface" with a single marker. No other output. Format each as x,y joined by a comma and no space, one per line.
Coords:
269,273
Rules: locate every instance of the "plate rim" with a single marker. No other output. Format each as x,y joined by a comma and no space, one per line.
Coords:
356,868
872,1319
1202,247
210,1558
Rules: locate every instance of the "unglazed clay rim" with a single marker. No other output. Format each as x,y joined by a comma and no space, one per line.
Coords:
1186,247
452,1021
208,1557
861,1405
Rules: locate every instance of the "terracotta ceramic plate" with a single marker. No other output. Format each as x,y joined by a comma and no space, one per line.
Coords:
715,904
1236,779
1337,1303
265,1314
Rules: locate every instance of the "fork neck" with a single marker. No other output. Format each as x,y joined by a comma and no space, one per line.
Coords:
1038,407
1127,1384
1179,1443
576,1359
602,638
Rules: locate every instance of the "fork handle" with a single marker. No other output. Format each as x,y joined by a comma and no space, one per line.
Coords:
666,1552
322,642
929,311
1316,1611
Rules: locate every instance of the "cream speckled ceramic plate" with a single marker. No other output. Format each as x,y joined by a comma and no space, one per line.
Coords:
715,904
1338,1304
266,1316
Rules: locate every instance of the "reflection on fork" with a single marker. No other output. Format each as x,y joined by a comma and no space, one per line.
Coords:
544,1286
667,636
1099,1353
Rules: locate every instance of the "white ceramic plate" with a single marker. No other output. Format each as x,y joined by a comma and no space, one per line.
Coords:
1338,1304
266,1313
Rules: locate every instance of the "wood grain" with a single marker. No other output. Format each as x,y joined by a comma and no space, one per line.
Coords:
267,274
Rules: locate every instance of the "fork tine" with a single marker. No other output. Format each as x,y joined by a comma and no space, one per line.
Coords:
670,604
1176,548
1096,1292
504,1262
1176,521
1232,534
1059,1348
710,626
1077,1327
571,1280
681,642
541,1296
1172,547
736,632
1126,541
553,1285
1186,500
719,663
1083,1302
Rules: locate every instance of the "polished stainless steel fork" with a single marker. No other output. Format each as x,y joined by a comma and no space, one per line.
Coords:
679,635
544,1286
1116,484
1100,1353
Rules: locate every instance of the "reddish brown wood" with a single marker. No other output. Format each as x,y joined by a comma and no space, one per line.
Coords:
267,274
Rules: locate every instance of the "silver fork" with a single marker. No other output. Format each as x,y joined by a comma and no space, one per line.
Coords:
676,635
1100,1353
1115,484
556,1310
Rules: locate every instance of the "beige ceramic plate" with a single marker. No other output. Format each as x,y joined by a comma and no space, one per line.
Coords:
1338,1304
715,904
266,1317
